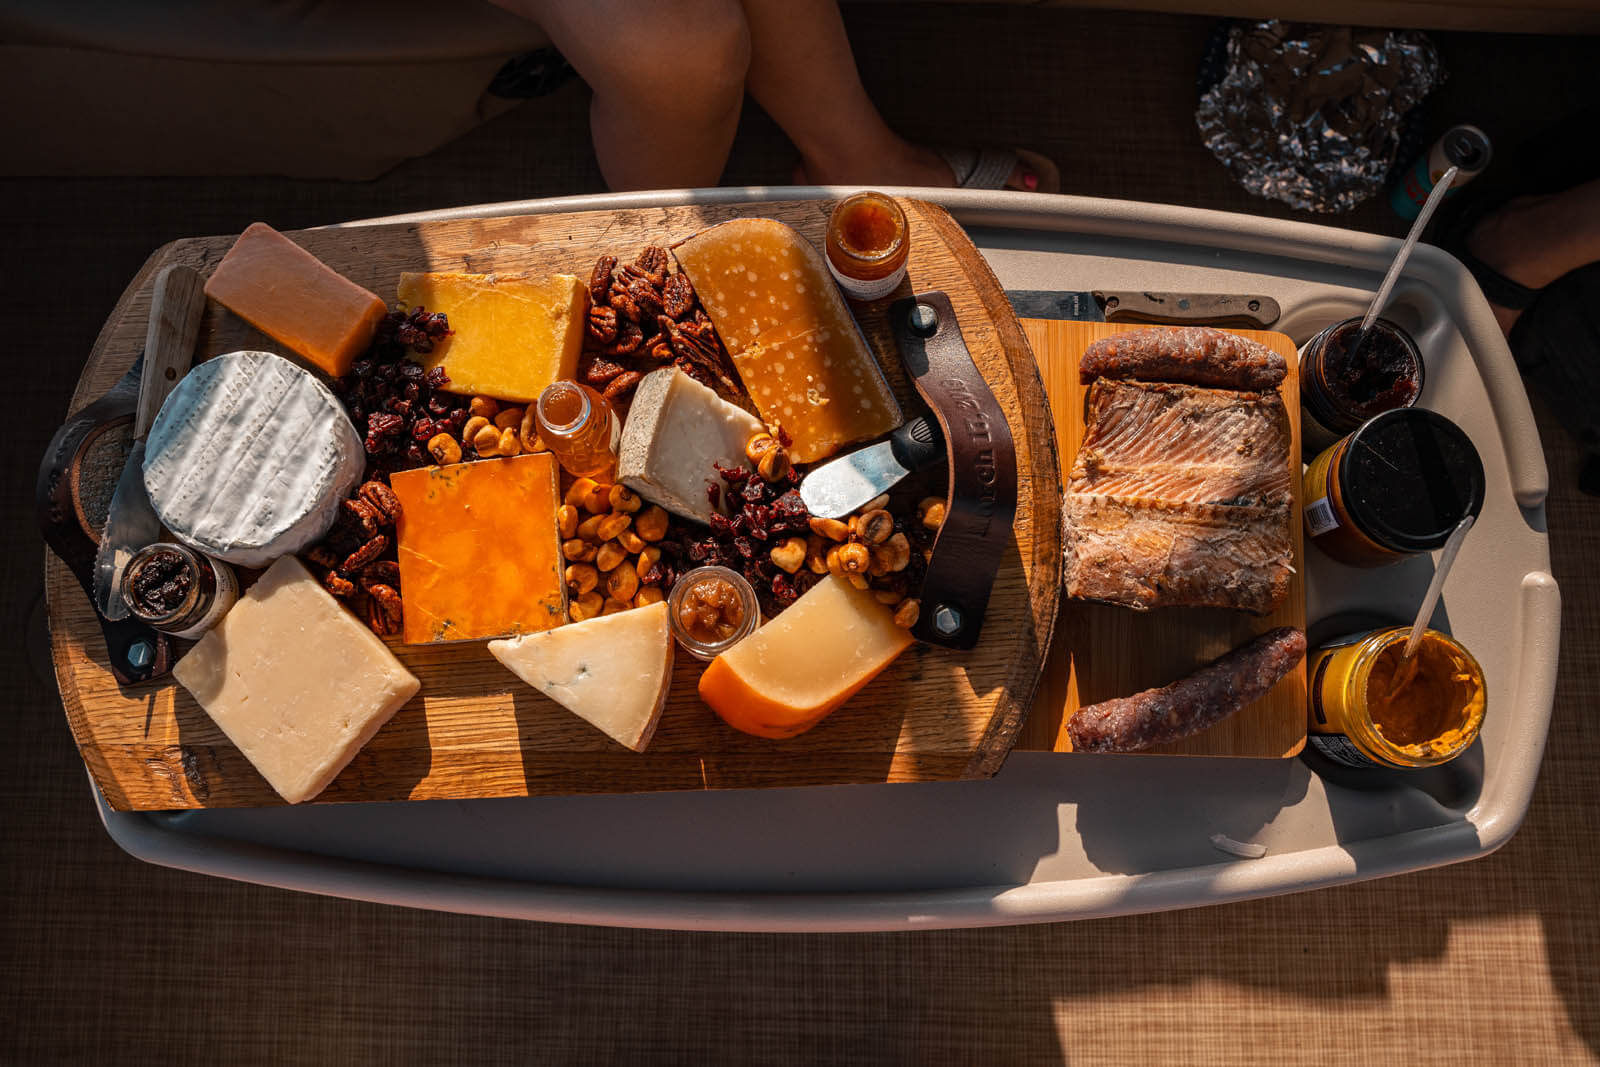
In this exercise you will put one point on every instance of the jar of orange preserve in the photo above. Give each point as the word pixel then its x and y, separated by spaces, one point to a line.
pixel 1371 708
pixel 868 244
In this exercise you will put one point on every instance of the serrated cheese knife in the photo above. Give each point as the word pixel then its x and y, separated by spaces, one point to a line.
pixel 178 302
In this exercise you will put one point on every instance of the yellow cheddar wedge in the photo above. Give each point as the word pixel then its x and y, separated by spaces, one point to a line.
pixel 513 335
pixel 789 675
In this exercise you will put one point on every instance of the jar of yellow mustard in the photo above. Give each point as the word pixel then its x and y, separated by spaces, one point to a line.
pixel 1396 487
pixel 1371 708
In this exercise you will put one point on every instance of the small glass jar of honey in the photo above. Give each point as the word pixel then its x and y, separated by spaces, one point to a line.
pixel 868 244
pixel 1370 707
pixel 580 427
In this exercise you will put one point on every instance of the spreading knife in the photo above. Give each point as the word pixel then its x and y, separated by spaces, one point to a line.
pixel 838 487
pixel 176 307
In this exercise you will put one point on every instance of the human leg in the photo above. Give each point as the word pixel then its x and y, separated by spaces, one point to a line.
pixel 668 80
pixel 1533 240
pixel 803 73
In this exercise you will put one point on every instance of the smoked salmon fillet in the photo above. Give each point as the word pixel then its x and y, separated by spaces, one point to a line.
pixel 1180 495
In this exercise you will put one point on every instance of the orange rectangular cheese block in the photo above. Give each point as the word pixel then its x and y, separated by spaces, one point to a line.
pixel 479 552
pixel 796 347
pixel 296 299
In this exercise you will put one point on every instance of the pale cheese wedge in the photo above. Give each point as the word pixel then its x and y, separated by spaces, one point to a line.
pixel 613 671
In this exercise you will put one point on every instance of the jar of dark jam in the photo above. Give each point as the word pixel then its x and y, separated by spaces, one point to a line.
pixel 1341 388
pixel 1396 487
pixel 867 245
pixel 178 591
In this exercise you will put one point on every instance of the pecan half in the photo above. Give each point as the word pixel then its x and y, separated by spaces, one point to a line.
pixel 629 338
pixel 652 264
pixel 365 554
pixel 660 350
pixel 365 515
pixel 645 297
pixel 599 371
pixel 388 598
pixel 624 306
pixel 382 499
pixel 622 385
pixel 379 621
pixel 339 587
pixel 677 296
pixel 600 279
pixel 602 326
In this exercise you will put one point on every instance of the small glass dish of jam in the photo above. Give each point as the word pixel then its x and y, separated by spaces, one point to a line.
pixel 867 245
pixel 711 609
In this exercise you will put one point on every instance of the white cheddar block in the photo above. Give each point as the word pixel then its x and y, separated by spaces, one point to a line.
pixel 249 458
pixel 295 681
pixel 676 430
pixel 612 670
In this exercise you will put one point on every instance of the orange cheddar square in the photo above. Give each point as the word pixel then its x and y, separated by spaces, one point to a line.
pixel 296 299
pixel 479 553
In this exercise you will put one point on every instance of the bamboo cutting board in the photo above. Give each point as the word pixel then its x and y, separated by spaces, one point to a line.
pixel 475 730
pixel 1103 651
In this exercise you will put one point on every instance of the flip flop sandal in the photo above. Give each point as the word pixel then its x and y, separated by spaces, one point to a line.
pixel 990 168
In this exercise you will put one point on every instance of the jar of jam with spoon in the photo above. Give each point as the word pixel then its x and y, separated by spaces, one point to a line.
pixel 868 244
pixel 1346 379
pixel 178 591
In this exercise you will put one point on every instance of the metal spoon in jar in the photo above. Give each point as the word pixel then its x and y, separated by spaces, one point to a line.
pixel 1447 557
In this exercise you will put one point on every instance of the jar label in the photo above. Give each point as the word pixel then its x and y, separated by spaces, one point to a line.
pixel 1320 517
pixel 1341 749
pixel 873 290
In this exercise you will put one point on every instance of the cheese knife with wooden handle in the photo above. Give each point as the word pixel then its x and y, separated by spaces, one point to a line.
pixel 176 307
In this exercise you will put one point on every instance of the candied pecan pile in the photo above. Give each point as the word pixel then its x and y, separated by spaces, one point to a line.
pixel 643 318
pixel 398 406
pixel 356 561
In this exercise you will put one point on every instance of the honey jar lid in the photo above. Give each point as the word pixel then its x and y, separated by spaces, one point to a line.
pixel 1408 477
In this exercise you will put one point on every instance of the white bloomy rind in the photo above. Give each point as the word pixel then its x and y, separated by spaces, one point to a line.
pixel 250 457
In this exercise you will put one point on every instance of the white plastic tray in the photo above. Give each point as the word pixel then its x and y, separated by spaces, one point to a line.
pixel 1051 837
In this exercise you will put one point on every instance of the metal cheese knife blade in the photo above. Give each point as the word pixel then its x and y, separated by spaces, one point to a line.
pixel 176 307
pixel 1174 309
pixel 838 487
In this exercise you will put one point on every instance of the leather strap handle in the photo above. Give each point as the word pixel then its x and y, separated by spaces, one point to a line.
pixel 61 522
pixel 981 502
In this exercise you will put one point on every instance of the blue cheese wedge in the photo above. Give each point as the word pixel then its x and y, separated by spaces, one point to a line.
pixel 677 431
pixel 250 457
pixel 295 681
pixel 613 671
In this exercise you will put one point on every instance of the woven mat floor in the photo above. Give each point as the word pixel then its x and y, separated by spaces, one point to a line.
pixel 108 960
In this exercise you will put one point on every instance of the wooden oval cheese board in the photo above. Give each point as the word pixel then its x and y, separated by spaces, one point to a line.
pixel 475 730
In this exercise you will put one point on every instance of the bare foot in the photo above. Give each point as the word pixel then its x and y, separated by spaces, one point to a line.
pixel 918 166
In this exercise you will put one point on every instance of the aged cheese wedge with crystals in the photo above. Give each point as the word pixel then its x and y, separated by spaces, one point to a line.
pixel 513 335
pixel 249 458
pixel 613 671
pixel 295 681
pixel 677 430
pixel 798 351
pixel 789 675
pixel 296 299
pixel 478 549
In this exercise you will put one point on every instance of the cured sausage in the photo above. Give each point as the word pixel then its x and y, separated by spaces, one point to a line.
pixel 1197 355
pixel 1189 705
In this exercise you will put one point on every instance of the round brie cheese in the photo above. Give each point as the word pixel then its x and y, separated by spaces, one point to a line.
pixel 250 457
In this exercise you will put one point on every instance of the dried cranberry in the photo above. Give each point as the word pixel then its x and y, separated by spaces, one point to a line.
pixel 721 524
pixel 734 476
pixel 755 490
pixel 438 405
pixel 714 494
pixel 382 423
pixel 412 372
pixel 743 546
pixel 423 429
pixel 437 378
pixel 416 455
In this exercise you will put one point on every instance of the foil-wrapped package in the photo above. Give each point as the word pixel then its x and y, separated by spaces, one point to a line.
pixel 1311 115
